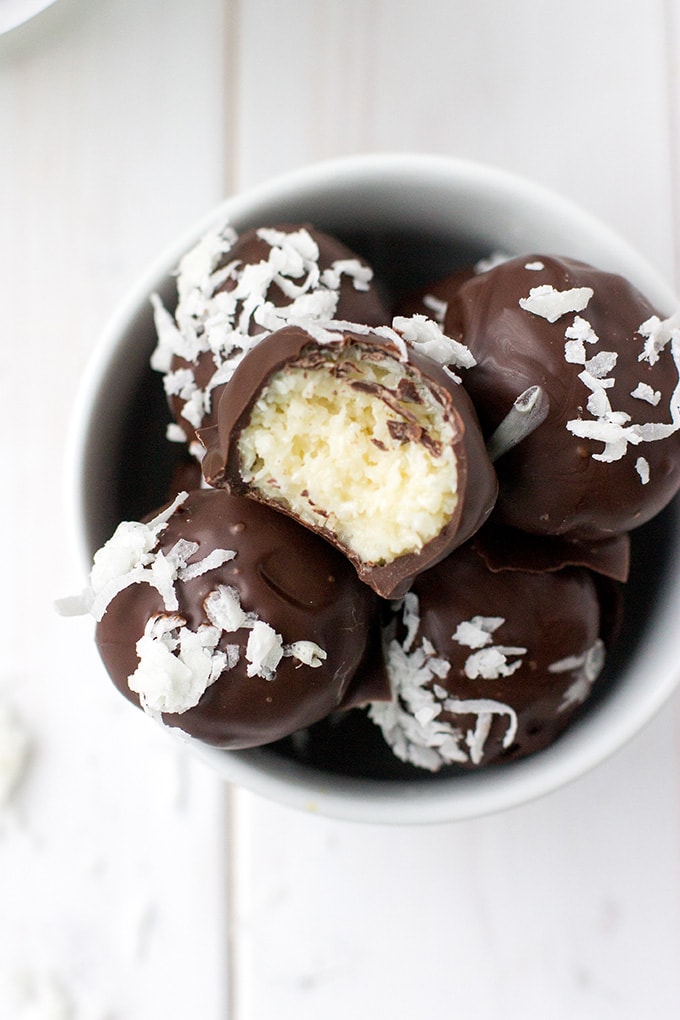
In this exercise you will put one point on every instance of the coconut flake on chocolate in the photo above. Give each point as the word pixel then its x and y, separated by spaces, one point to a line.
pixel 360 274
pixel 128 558
pixel 425 335
pixel 496 258
pixel 437 307
pixel 616 428
pixel 488 661
pixel 657 333
pixel 174 433
pixel 552 304
pixel 592 663
pixel 645 392
pixel 412 721
pixel 308 653
pixel 264 650
pixel 477 632
pixel 224 307
pixel 212 561
pixel 642 468
pixel 176 664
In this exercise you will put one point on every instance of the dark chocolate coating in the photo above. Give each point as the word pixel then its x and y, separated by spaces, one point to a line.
pixel 554 615
pixel 364 306
pixel 550 483
pixel 510 549
pixel 293 580
pixel 477 484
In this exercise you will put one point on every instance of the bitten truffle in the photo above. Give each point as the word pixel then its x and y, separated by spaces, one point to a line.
pixel 362 438
pixel 607 456
pixel 232 290
pixel 488 666
pixel 228 620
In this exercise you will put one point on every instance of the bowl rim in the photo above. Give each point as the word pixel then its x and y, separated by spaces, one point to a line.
pixel 598 735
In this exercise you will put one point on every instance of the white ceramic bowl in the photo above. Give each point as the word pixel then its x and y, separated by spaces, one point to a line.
pixel 414 217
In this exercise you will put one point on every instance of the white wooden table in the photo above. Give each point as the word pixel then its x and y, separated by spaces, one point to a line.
pixel 133 885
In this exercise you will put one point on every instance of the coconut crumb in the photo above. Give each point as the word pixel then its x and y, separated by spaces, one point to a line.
pixel 416 723
pixel 616 429
pixel 264 651
pixel 590 665
pixel 425 335
pixel 438 307
pixel 477 632
pixel 657 333
pixel 552 304
pixel 496 258
pixel 176 664
pixel 643 391
pixel 642 468
pixel 493 663
pixel 307 653
pixel 228 324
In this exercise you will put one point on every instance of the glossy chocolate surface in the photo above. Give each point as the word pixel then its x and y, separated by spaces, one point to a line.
pixel 553 482
pixel 292 580
pixel 477 483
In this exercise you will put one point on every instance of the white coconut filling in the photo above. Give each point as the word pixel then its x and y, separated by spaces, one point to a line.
pixel 371 465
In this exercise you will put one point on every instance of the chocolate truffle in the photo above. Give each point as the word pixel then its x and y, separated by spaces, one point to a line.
pixel 488 666
pixel 607 456
pixel 361 437
pixel 228 620
pixel 233 289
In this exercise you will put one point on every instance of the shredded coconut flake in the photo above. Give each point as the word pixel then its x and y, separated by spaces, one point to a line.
pixel 217 558
pixel 643 391
pixel 477 632
pixel 591 664
pixel 642 468
pixel 615 429
pixel 425 336
pixel 306 652
pixel 264 651
pixel 496 258
pixel 176 664
pixel 416 723
pixel 657 333
pixel 438 307
pixel 552 304
pixel 128 558
pixel 492 663
pixel 228 323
